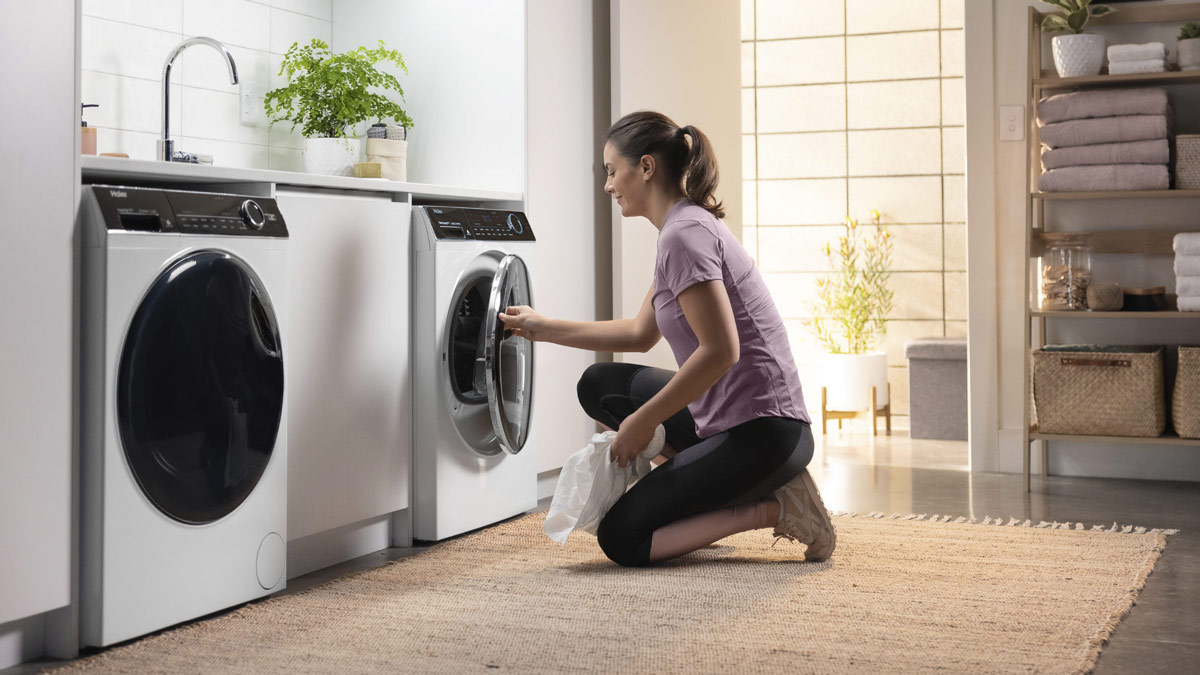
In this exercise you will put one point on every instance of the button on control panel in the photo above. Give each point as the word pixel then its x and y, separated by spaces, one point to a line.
pixel 478 224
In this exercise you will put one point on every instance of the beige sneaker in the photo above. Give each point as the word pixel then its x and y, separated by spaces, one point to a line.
pixel 802 517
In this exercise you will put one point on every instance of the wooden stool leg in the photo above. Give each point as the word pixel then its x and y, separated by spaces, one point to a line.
pixel 889 410
pixel 824 412
pixel 871 413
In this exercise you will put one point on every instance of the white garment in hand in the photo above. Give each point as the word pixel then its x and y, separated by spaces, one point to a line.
pixel 591 482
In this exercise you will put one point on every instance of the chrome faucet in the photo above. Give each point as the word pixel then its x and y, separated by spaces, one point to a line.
pixel 166 146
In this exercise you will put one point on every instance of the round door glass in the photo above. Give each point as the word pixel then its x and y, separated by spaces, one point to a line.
pixel 509 359
pixel 200 387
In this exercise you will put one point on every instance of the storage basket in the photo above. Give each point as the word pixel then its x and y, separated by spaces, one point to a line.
pixel 1094 390
pixel 1187 161
pixel 1185 400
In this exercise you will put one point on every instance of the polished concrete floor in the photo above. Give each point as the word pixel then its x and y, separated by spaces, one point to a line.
pixel 896 474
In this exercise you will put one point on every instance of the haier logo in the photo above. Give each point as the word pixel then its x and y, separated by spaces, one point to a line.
pixel 119 194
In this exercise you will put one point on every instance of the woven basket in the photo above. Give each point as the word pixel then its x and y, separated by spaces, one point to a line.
pixel 1187 161
pixel 1099 391
pixel 1185 401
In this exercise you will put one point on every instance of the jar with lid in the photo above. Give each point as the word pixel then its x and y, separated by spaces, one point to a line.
pixel 1066 270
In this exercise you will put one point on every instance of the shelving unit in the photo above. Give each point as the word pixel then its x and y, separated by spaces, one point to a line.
pixel 1131 240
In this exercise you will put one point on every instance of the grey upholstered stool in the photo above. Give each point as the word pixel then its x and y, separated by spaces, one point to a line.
pixel 937 388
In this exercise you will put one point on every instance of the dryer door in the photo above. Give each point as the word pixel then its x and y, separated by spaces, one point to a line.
pixel 200 387
pixel 508 360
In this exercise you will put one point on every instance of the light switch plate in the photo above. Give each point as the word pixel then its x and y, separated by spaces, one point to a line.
pixel 1012 122
pixel 249 105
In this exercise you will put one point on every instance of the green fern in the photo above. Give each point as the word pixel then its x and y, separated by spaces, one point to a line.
pixel 1190 30
pixel 854 300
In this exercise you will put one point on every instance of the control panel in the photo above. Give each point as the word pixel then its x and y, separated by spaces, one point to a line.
pixel 181 212
pixel 456 222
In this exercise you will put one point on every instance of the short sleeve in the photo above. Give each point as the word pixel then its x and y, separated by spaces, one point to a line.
pixel 689 253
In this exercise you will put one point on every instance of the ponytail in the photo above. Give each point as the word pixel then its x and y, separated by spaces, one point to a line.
pixel 691 166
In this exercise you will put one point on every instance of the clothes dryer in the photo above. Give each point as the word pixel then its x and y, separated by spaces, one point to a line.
pixel 474 459
pixel 183 438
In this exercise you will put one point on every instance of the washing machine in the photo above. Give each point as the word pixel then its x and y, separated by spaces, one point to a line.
pixel 474 460
pixel 183 460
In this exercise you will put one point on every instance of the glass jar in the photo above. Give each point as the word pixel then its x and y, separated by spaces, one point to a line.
pixel 1066 271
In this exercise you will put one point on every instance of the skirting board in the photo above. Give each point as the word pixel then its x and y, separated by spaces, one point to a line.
pixel 318 551
pixel 22 640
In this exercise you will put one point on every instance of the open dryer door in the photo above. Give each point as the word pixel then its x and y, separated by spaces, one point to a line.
pixel 508 360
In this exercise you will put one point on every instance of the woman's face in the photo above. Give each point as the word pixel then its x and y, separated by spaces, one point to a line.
pixel 626 182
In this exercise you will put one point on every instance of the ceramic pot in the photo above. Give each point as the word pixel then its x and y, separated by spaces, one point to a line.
pixel 847 378
pixel 331 156
pixel 1079 55
pixel 1189 54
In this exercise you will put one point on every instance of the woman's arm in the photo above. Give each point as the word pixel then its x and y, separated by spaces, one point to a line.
pixel 621 335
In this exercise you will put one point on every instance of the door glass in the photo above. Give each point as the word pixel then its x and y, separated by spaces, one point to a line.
pixel 200 387
pixel 465 348
pixel 509 359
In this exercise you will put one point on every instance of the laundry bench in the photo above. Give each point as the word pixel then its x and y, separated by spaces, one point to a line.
pixel 937 388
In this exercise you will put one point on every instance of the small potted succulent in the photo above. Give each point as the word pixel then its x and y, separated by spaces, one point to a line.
pixel 1189 46
pixel 850 318
pixel 1076 54
pixel 327 94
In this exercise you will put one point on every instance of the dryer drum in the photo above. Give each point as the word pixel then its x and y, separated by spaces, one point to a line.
pixel 200 387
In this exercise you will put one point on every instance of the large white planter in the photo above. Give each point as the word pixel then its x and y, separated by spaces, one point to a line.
pixel 1079 55
pixel 331 156
pixel 1189 54
pixel 848 377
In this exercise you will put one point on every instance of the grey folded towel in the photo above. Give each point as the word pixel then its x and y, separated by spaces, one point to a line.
pixel 1106 177
pixel 1121 129
pixel 1136 152
pixel 1078 105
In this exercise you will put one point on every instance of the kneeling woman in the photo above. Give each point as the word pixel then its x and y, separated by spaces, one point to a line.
pixel 738 435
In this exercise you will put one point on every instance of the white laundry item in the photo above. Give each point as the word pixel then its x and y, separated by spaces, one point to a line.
pixel 1130 67
pixel 591 482
pixel 1187 286
pixel 1189 304
pixel 1186 243
pixel 1134 52
pixel 1187 265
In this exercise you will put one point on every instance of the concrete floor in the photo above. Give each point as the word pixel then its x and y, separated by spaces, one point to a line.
pixel 897 474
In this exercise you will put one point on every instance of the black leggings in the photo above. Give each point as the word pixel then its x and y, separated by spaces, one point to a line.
pixel 740 465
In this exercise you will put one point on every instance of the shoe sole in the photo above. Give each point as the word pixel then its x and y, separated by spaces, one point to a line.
pixel 814 496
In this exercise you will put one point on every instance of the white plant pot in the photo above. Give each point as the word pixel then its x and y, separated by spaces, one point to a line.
pixel 848 377
pixel 1079 55
pixel 1189 54
pixel 331 156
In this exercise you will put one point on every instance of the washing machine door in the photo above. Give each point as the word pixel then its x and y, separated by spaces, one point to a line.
pixel 508 360
pixel 200 387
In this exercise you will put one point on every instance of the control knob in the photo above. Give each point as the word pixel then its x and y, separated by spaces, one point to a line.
pixel 252 214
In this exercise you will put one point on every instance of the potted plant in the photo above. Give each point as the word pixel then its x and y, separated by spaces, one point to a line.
pixel 850 317
pixel 327 94
pixel 1189 46
pixel 1076 54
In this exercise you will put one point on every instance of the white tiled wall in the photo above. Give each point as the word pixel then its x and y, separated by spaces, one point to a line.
pixel 125 43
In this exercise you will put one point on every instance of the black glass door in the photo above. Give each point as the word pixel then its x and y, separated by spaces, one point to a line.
pixel 200 387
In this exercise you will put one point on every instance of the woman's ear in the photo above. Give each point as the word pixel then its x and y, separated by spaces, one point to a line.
pixel 647 166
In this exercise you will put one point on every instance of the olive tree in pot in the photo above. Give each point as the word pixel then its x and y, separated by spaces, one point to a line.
pixel 850 318
pixel 327 94
pixel 1189 46
pixel 1076 54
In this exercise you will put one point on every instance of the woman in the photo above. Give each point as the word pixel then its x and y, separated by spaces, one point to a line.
pixel 738 436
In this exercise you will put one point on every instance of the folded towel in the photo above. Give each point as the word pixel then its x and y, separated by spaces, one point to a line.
pixel 1131 67
pixel 1105 177
pixel 1136 152
pixel 1188 286
pixel 1186 243
pixel 1187 304
pixel 1106 130
pixel 1077 105
pixel 1132 52
pixel 1187 265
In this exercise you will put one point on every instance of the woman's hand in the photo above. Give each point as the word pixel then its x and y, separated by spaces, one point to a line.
pixel 524 322
pixel 632 438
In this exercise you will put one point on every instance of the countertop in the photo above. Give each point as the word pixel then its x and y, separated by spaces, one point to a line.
pixel 118 168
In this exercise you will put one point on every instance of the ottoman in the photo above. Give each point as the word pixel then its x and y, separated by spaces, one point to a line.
pixel 937 388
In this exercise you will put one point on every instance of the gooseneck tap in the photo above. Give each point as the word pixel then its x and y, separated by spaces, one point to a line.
pixel 166 146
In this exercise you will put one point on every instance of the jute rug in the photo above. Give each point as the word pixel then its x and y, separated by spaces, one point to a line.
pixel 901 594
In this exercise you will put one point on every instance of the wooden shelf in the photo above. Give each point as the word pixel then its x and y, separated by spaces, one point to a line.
pixel 1119 194
pixel 1051 81
pixel 1141 241
pixel 1167 439
pixel 1086 314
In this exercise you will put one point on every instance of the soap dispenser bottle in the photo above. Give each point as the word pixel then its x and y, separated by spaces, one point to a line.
pixel 87 135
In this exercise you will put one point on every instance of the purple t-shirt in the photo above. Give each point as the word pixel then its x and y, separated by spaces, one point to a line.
pixel 694 246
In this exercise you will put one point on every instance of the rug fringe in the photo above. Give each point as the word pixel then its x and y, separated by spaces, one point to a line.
pixel 1010 522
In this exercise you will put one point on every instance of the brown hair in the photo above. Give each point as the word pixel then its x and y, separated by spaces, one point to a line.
pixel 690 165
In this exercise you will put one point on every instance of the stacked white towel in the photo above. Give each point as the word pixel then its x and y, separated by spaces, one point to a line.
pixel 1187 270
pixel 1105 139
pixel 1150 57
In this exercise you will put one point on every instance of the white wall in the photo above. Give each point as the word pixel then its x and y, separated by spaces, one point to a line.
pixel 465 90
pixel 683 59
pixel 125 43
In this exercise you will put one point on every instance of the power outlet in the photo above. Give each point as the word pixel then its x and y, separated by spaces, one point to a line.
pixel 249 105
pixel 1012 122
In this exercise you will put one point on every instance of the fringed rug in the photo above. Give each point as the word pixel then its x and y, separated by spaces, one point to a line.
pixel 901 594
